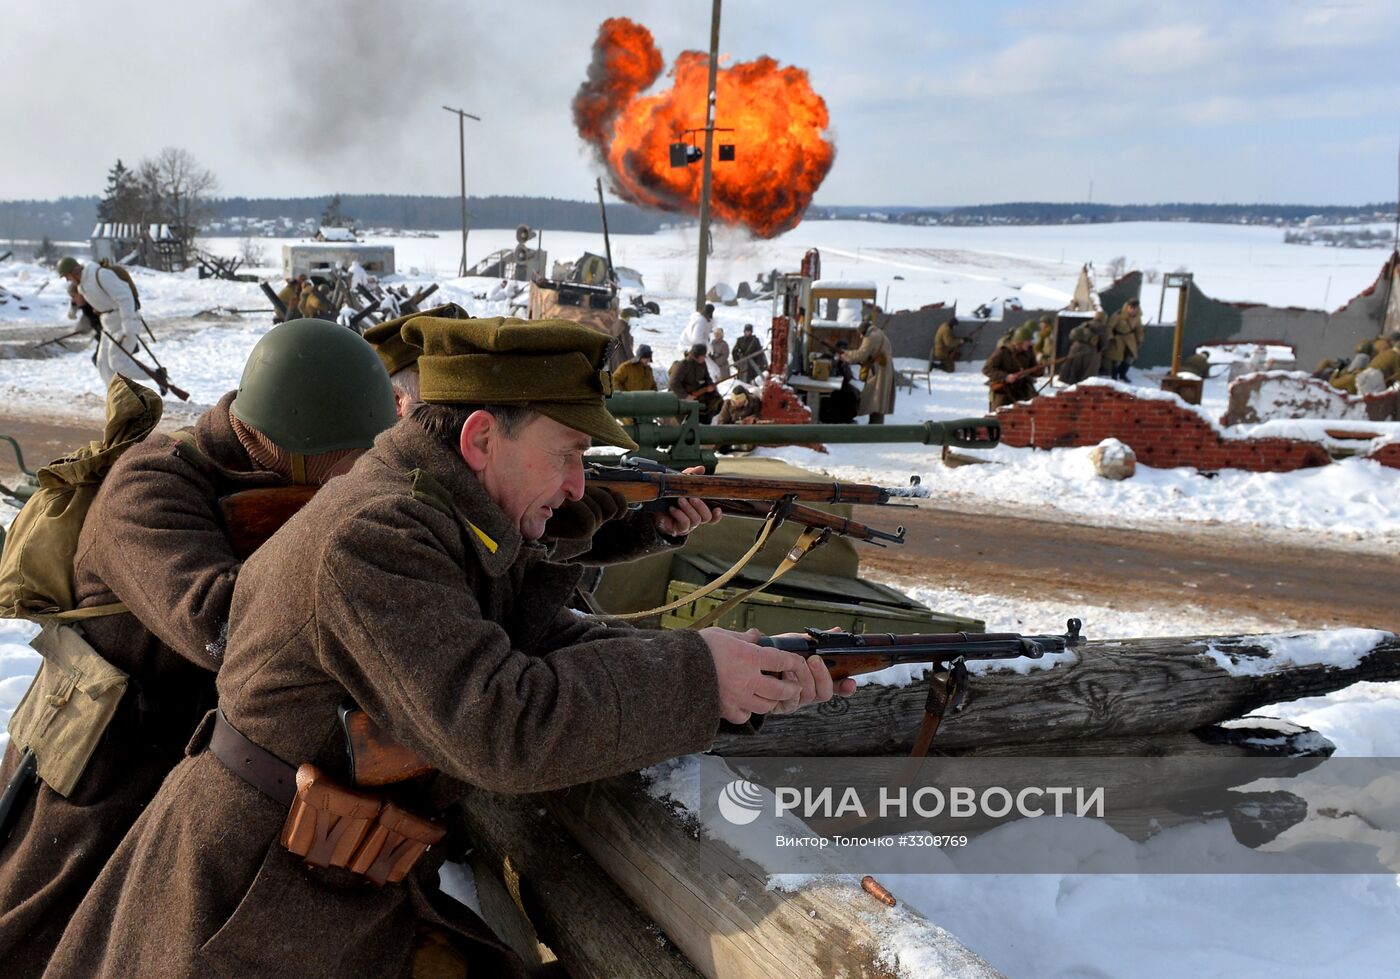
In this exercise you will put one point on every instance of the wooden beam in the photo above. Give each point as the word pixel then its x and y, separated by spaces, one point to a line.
pixel 717 907
pixel 1136 688
pixel 571 905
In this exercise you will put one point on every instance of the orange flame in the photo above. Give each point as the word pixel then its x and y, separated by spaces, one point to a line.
pixel 781 150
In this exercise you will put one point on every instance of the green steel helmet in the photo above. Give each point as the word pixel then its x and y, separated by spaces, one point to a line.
pixel 313 386
pixel 67 264
pixel 1023 333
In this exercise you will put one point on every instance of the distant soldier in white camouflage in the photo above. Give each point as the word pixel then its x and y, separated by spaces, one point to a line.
pixel 109 294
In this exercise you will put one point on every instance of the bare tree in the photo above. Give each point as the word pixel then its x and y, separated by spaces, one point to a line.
pixel 179 190
pixel 252 252
pixel 1116 267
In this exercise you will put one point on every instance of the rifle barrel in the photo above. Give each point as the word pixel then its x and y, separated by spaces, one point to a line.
pixel 851 655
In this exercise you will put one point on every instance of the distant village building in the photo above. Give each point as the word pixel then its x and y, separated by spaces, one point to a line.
pixel 155 246
pixel 336 234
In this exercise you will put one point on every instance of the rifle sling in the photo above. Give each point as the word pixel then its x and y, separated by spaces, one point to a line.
pixel 943 693
pixel 811 538
pixel 770 524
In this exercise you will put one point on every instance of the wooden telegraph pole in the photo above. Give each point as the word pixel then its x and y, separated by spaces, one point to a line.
pixel 707 161
pixel 462 117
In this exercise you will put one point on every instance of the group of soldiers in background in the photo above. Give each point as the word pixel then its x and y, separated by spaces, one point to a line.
pixel 340 294
pixel 1104 346
pixel 1374 367
pixel 689 379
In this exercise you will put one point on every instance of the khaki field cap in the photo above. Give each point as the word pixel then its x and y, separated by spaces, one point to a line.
pixel 554 367
pixel 388 342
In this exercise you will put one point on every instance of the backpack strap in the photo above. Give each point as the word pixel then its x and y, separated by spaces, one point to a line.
pixel 87 612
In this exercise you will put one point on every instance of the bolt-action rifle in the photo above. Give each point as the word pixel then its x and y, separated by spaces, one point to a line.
pixel 377 759
pixel 647 485
pixel 156 373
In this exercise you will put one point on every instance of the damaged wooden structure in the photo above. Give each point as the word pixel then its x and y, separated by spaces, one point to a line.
pixel 613 882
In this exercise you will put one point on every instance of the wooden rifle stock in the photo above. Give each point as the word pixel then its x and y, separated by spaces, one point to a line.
pixel 645 485
pixel 252 516
pixel 376 758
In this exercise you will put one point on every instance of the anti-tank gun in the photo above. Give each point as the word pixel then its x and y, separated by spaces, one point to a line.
pixel 668 430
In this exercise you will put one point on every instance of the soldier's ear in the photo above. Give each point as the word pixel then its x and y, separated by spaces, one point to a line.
pixel 478 432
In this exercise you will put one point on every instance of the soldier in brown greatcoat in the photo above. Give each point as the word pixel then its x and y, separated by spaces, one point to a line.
pixel 749 360
pixel 876 359
pixel 690 381
pixel 636 375
pixel 1082 361
pixel 946 344
pixel 1011 369
pixel 412 587
pixel 154 540
pixel 1125 338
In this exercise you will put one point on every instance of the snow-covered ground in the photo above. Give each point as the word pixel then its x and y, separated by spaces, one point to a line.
pixel 1049 925
pixel 1097 926
pixel 204 348
pixel 1141 926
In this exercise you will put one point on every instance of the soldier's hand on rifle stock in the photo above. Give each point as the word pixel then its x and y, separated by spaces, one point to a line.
pixel 823 687
pixel 752 679
pixel 686 513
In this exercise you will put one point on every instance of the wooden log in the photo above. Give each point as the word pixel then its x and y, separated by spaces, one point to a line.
pixel 1127 689
pixel 571 905
pixel 716 905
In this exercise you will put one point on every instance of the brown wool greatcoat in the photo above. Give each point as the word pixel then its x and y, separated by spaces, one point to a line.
pixel 877 396
pixel 153 539
pixel 749 361
pixel 1082 361
pixel 383 590
pixel 1005 361
pixel 689 376
pixel 634 376
pixel 946 345
pixel 1125 335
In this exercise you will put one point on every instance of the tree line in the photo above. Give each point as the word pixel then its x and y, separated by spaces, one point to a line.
pixel 1037 212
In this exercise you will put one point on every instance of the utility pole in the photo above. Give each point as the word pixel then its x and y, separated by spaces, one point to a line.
pixel 707 161
pixel 462 118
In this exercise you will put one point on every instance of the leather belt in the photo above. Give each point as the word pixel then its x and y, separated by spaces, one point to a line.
pixel 251 762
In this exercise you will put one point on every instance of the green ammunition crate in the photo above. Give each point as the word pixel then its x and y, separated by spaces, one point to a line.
pixel 774 614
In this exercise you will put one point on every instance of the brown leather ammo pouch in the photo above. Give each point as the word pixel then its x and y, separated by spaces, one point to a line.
pixel 332 826
pixel 396 841
pixel 327 823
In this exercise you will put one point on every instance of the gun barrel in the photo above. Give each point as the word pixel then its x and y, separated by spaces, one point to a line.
pixel 967 433
pixel 852 655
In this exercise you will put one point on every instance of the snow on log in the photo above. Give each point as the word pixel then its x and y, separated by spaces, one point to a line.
pixel 1128 689
pixel 717 907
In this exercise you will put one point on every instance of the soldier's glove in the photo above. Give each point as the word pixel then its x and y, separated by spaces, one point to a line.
pixel 580 520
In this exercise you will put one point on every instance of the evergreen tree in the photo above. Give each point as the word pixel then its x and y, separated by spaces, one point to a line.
pixel 122 200
pixel 47 253
pixel 333 217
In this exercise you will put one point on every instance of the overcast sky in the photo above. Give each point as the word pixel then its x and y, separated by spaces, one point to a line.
pixel 931 101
